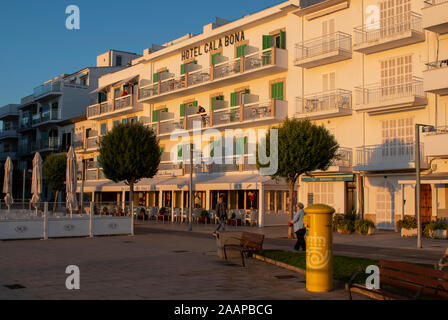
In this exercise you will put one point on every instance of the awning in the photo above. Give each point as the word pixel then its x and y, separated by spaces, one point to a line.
pixel 329 178
pixel 201 183
pixel 435 178
pixel 103 87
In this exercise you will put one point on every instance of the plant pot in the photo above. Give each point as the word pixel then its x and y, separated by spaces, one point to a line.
pixel 408 232
pixel 439 234
pixel 369 233
pixel 344 232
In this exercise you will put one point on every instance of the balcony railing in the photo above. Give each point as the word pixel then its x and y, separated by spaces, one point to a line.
pixel 437 64
pixel 26 148
pixel 50 115
pixel 52 143
pixel 10 132
pixel 106 107
pixel 345 158
pixel 219 71
pixel 321 45
pixel 99 108
pixel 387 28
pixel 394 154
pixel 226 116
pixel 377 94
pixel 52 87
pixel 326 101
pixel 258 110
pixel 430 3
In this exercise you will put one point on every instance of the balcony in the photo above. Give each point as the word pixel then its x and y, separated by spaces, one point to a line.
pixel 119 106
pixel 404 30
pixel 324 50
pixel 245 68
pixel 337 103
pixel 50 116
pixel 50 144
pixel 382 99
pixel 27 148
pixel 435 77
pixel 392 156
pixel 263 112
pixel 435 16
pixel 8 133
pixel 48 90
pixel 436 142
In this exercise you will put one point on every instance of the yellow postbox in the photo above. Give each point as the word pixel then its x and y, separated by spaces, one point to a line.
pixel 319 248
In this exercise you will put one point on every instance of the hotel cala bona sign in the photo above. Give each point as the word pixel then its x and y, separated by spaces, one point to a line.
pixel 213 45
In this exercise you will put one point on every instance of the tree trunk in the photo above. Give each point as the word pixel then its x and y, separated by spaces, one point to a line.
pixel 291 207
pixel 55 201
pixel 131 195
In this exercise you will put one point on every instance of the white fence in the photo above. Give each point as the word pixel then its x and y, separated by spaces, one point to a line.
pixel 30 224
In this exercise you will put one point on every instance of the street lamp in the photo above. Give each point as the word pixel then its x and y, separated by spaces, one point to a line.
pixel 425 128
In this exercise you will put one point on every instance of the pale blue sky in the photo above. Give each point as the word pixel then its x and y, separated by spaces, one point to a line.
pixel 35 45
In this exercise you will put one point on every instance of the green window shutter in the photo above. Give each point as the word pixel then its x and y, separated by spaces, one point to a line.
pixel 240 50
pixel 282 40
pixel 195 103
pixel 233 115
pixel 116 123
pixel 233 99
pixel 277 91
pixel 165 110
pixel 154 116
pixel 267 42
pixel 124 121
pixel 98 162
pixel 182 110
pixel 214 57
pixel 179 152
pixel 155 77
pixel 213 103
pixel 162 150
pixel 182 69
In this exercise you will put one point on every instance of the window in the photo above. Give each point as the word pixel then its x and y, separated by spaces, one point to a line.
pixel 103 129
pixel 215 57
pixel 397 137
pixel 328 43
pixel 396 75
pixel 395 16
pixel 277 90
pixel 328 82
pixel 119 61
pixel 240 50
pixel 124 121
pixel 277 40
pixel 116 123
pixel 186 67
pixel 83 81
pixel 321 192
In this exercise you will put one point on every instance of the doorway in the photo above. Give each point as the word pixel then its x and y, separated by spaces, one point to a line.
pixel 426 202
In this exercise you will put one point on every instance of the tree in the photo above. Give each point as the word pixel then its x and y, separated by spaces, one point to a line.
pixel 129 153
pixel 303 147
pixel 54 171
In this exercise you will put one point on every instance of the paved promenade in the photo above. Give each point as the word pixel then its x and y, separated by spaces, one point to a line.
pixel 151 265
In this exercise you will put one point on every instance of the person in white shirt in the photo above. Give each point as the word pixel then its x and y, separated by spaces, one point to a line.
pixel 299 228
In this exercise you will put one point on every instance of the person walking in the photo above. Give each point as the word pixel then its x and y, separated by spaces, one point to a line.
pixel 221 212
pixel 299 228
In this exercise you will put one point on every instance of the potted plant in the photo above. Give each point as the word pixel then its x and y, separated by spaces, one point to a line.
pixel 120 211
pixel 436 229
pixel 203 216
pixel 337 218
pixel 408 226
pixel 162 212
pixel 105 211
pixel 364 227
pixel 346 227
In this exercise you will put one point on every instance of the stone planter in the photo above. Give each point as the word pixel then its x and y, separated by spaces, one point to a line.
pixel 369 233
pixel 439 234
pixel 340 231
pixel 409 232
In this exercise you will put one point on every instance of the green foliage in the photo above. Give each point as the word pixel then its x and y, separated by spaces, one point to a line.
pixel 233 215
pixel 204 214
pixel 362 226
pixel 429 228
pixel 129 153
pixel 54 170
pixel 105 210
pixel 303 147
pixel 408 223
pixel 162 210
pixel 346 226
pixel 337 219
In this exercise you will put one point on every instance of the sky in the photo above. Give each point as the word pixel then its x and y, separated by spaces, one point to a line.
pixel 35 44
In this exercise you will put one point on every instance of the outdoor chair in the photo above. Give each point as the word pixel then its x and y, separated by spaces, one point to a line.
pixel 153 212
pixel 254 218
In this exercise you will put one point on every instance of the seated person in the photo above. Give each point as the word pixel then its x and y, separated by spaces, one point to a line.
pixel 201 110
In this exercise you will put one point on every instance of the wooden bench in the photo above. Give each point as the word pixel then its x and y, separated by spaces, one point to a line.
pixel 409 280
pixel 249 243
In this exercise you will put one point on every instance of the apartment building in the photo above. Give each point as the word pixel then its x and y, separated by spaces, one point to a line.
pixel 46 117
pixel 369 71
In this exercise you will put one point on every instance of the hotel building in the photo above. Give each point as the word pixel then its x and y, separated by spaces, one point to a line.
pixel 46 117
pixel 369 71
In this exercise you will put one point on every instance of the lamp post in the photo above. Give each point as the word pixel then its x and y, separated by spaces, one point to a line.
pixel 190 197
pixel 426 128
